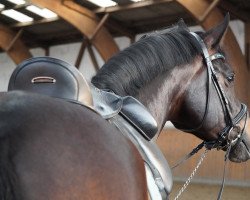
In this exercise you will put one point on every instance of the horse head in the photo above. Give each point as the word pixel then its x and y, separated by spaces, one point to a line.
pixel 210 108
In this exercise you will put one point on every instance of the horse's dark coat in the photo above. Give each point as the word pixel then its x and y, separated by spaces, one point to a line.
pixel 60 143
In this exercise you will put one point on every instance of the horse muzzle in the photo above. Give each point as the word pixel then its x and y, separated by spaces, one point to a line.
pixel 240 151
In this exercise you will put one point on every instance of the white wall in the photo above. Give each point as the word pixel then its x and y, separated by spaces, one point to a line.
pixel 69 54
pixel 238 29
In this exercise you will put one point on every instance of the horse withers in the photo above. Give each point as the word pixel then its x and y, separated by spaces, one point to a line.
pixel 53 149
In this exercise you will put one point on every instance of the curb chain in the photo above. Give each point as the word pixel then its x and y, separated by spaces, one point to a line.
pixel 192 175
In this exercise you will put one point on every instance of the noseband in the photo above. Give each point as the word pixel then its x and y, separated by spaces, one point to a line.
pixel 224 139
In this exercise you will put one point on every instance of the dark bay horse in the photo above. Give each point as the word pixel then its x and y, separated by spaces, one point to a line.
pixel 53 149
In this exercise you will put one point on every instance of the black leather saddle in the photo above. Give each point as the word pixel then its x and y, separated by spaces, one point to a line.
pixel 52 77
pixel 56 78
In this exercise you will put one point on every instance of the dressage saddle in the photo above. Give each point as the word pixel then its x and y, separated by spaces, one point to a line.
pixel 56 78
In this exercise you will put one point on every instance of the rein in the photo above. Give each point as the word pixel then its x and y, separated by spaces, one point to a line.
pixel 225 140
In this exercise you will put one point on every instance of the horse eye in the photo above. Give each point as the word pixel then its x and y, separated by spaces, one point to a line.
pixel 230 78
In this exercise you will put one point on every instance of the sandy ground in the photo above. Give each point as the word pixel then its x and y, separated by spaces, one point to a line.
pixel 210 192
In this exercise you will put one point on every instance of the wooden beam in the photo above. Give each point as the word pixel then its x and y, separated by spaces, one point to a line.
pixel 81 53
pixel 114 25
pixel 157 22
pixel 93 58
pixel 99 26
pixel 139 4
pixel 209 10
pixel 235 11
pixel 47 51
pixel 123 2
pixel 17 36
pixel 16 49
pixel 85 21
pixel 26 24
pixel 57 38
pixel 197 8
pixel 80 9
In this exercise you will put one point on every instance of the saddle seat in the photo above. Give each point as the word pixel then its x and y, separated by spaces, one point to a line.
pixel 52 77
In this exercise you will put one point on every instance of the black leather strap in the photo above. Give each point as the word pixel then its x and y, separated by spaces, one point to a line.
pixel 231 121
pixel 224 173
pixel 194 151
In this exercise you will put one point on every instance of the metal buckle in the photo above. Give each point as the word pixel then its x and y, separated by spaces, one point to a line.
pixel 217 56
pixel 231 139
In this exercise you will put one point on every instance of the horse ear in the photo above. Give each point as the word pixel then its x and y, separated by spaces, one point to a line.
pixel 182 24
pixel 213 37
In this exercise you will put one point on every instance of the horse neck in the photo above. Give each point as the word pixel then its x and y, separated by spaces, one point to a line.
pixel 164 95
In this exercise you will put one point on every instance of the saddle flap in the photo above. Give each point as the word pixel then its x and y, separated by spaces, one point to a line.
pixel 52 77
pixel 108 105
pixel 136 113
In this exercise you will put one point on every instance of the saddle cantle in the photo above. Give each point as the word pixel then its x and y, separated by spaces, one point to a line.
pixel 52 77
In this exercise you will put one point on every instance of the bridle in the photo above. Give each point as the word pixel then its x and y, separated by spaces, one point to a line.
pixel 224 140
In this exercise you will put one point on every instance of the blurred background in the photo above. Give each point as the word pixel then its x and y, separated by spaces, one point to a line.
pixel 86 33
